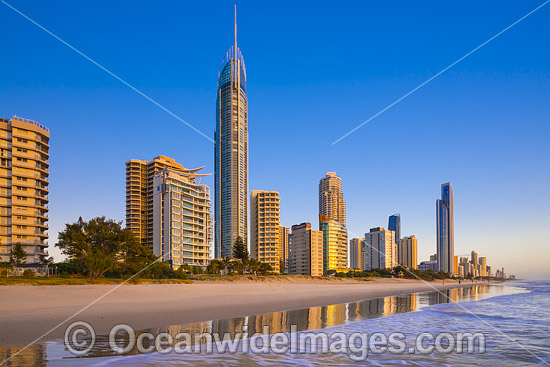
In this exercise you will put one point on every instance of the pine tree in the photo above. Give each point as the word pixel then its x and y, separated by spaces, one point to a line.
pixel 240 251
pixel 18 256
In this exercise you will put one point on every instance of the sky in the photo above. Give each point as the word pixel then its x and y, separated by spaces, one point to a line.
pixel 315 71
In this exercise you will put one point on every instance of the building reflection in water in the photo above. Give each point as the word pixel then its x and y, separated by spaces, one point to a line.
pixel 312 318
pixel 19 356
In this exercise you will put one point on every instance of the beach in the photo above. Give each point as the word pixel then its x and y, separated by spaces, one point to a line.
pixel 29 312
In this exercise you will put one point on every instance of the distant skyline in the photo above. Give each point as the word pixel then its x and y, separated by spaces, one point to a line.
pixel 314 73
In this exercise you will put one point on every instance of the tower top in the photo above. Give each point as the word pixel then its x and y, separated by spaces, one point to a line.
pixel 235 31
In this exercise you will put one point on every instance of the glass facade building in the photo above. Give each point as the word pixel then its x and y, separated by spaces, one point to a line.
pixel 445 229
pixel 394 224
pixel 231 154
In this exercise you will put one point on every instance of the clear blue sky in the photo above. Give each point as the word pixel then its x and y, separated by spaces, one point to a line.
pixel 315 71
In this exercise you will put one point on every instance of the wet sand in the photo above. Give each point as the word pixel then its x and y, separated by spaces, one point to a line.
pixel 29 312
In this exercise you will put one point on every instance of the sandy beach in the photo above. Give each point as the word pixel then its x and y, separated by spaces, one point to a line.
pixel 28 312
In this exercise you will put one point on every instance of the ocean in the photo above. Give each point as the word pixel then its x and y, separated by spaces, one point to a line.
pixel 512 319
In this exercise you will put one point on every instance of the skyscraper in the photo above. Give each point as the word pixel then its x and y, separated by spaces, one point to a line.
pixel 394 224
pixel 474 258
pixel 483 266
pixel 331 198
pixel 231 153
pixel 265 228
pixel 445 229
pixel 24 172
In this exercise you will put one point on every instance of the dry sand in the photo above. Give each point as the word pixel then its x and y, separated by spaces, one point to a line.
pixel 28 312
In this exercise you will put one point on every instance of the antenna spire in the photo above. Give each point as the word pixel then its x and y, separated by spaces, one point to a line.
pixel 235 50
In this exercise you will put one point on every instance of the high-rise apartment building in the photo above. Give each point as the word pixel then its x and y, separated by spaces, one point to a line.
pixel 407 252
pixel 265 228
pixel 474 259
pixel 305 251
pixel 231 153
pixel 394 224
pixel 24 154
pixel 357 253
pixel 284 240
pixel 335 244
pixel 331 198
pixel 139 194
pixel 483 266
pixel 381 251
pixel 182 220
pixel 445 229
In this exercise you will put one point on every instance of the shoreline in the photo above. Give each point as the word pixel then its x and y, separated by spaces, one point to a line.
pixel 28 312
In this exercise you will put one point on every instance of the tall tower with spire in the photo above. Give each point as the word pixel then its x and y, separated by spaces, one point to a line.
pixel 445 229
pixel 231 153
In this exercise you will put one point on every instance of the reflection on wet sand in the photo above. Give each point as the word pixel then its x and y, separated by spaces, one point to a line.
pixel 312 318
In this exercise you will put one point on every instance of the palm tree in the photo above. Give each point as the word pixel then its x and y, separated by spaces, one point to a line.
pixel 253 265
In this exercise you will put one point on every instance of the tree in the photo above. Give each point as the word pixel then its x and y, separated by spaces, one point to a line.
pixel 264 268
pixel 18 256
pixel 46 260
pixel 101 245
pixel 215 267
pixel 240 251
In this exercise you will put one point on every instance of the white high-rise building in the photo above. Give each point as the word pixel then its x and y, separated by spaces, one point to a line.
pixel 182 222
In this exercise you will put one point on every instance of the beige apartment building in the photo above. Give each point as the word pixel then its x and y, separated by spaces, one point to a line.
pixel 24 154
pixel 305 251
pixel 331 198
pixel 265 228
pixel 182 219
pixel 335 244
pixel 407 252
pixel 139 194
